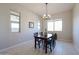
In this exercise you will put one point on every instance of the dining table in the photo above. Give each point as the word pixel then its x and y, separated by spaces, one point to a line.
pixel 44 38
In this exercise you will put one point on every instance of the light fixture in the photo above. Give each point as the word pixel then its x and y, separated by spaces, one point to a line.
pixel 46 16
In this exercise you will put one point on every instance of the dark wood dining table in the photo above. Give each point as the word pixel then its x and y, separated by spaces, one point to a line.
pixel 45 38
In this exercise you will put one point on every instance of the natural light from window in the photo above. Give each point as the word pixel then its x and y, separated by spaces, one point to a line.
pixel 15 22
pixel 58 25
pixel 50 26
pixel 54 25
pixel 38 25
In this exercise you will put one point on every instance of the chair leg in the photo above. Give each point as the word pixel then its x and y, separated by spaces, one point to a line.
pixel 50 48
pixel 43 45
pixel 39 44
pixel 54 45
pixel 35 43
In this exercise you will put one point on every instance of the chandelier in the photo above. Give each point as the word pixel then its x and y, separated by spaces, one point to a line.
pixel 46 16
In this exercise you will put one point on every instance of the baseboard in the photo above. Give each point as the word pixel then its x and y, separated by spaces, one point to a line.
pixel 64 40
pixel 13 46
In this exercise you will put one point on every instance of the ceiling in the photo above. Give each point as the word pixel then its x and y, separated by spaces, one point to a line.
pixel 53 8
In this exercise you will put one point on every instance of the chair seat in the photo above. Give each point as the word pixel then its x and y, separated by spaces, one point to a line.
pixel 49 41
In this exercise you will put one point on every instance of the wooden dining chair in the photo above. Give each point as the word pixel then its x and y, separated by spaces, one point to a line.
pixel 51 42
pixel 38 41
pixel 54 40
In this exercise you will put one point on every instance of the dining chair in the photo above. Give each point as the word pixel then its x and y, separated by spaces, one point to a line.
pixel 54 40
pixel 51 42
pixel 41 33
pixel 38 41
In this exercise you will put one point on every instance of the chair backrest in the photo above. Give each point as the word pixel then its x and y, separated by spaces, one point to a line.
pixel 36 34
pixel 54 36
pixel 41 33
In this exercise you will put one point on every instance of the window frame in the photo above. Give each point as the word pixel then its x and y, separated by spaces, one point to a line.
pixel 53 25
pixel 19 29
pixel 60 19
pixel 39 25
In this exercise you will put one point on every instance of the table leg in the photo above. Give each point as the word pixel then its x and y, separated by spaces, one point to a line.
pixel 35 42
pixel 45 45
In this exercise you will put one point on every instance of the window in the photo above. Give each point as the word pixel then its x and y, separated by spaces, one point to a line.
pixel 38 25
pixel 15 21
pixel 58 25
pixel 50 26
pixel 54 25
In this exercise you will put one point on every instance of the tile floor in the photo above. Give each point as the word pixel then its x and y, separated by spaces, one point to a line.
pixel 27 48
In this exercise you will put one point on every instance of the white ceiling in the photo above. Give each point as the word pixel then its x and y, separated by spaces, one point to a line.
pixel 39 8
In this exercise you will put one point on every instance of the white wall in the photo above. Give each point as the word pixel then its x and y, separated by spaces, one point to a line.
pixel 7 38
pixel 66 34
pixel 76 26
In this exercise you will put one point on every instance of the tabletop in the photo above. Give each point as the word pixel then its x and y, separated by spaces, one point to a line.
pixel 44 36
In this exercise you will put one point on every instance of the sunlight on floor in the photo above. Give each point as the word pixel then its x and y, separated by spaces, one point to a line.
pixel 27 48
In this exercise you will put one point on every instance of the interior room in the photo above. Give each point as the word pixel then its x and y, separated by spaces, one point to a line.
pixel 39 28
